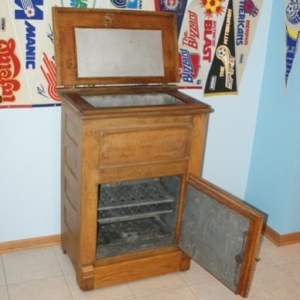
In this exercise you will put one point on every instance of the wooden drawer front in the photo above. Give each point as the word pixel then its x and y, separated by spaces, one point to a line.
pixel 148 145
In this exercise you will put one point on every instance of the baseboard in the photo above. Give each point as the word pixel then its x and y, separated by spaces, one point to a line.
pixel 271 234
pixel 30 243
pixel 281 240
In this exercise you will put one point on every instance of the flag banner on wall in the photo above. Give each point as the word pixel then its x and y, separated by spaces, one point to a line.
pixel 127 4
pixel 246 14
pixel 178 6
pixel 292 25
pixel 17 56
pixel 27 62
pixel 221 77
pixel 197 40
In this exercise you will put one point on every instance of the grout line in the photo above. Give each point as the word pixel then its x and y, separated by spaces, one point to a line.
pixel 63 273
pixel 3 268
pixel 128 285
pixel 7 292
pixel 5 279
pixel 69 286
pixel 191 290
pixel 59 263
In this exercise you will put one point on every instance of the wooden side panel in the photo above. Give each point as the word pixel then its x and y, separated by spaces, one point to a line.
pixel 71 182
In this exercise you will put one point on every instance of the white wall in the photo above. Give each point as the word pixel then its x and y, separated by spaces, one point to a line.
pixel 29 173
pixel 30 151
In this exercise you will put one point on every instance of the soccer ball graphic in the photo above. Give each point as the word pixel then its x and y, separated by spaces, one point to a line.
pixel 212 7
pixel 292 12
pixel 291 8
pixel 221 52
pixel 30 12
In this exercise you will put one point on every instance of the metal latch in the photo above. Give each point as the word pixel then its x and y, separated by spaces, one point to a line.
pixel 239 258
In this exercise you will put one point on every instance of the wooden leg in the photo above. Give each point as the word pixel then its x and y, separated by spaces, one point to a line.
pixel 185 262
pixel 86 282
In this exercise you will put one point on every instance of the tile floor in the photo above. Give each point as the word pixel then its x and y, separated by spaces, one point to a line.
pixel 46 274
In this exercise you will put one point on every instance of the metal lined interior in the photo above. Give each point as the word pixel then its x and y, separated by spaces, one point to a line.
pixel 136 215
pixel 131 100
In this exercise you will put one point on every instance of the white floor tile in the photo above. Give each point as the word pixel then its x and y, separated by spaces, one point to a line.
pixel 178 294
pixel 281 255
pixel 51 288
pixel 264 261
pixel 292 269
pixel 196 274
pixel 117 292
pixel 30 264
pixel 156 284
pixel 274 284
pixel 3 293
pixel 214 290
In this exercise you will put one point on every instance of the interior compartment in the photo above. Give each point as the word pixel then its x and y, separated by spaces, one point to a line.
pixel 131 100
pixel 136 215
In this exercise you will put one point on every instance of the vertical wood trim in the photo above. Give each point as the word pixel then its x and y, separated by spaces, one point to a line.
pixel 198 139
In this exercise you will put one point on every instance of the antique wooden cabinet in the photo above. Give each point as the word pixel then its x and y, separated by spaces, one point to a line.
pixel 133 203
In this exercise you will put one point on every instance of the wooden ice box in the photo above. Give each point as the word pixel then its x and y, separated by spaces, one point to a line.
pixel 133 203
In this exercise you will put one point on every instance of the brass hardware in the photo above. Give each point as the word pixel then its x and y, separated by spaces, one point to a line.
pixel 108 18
pixel 257 259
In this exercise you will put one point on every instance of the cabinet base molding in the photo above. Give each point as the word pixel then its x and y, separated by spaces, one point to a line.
pixel 281 239
pixel 30 243
pixel 126 271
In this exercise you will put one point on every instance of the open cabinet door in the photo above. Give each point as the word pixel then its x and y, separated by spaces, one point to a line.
pixel 221 233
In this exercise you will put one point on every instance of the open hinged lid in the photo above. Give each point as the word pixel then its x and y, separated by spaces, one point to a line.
pixel 221 233
pixel 102 46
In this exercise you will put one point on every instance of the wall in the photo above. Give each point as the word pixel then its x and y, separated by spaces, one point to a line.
pixel 30 151
pixel 273 183
pixel 29 173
